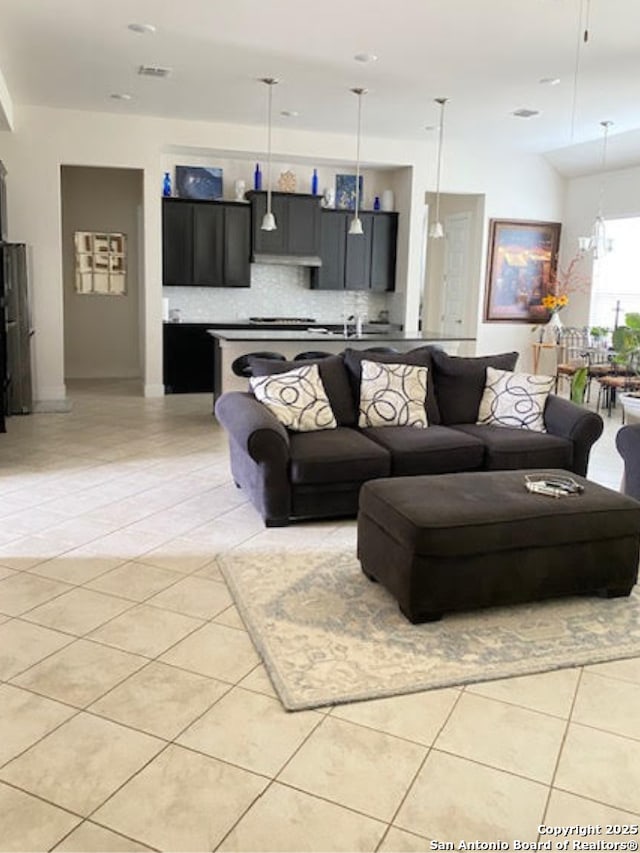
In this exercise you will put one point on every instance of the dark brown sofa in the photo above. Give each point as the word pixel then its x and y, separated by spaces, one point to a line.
pixel 289 475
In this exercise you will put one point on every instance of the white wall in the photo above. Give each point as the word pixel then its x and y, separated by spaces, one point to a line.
pixel 516 186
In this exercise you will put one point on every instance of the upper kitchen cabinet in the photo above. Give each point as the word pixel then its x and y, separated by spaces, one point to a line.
pixel 383 251
pixel 298 226
pixel 205 243
pixel 357 262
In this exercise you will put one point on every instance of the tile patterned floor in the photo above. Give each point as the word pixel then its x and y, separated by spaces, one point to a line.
pixel 134 711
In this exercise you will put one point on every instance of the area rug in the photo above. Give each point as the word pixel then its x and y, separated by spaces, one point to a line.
pixel 328 635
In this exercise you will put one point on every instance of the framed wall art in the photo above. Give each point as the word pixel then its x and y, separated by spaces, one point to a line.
pixel 521 267
pixel 346 192
pixel 199 182
pixel 100 263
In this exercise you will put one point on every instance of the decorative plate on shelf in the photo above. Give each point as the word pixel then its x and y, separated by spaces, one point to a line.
pixel 287 182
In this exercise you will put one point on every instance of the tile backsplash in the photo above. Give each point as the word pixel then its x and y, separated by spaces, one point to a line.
pixel 276 291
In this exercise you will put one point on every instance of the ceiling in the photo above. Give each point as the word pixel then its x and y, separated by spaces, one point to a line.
pixel 487 56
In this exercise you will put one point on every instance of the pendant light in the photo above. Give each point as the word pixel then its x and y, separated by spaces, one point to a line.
pixel 355 229
pixel 597 242
pixel 269 220
pixel 436 231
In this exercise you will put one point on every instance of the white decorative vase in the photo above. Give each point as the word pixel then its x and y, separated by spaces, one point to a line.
pixel 552 330
pixel 387 200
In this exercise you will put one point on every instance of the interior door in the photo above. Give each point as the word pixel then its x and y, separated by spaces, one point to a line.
pixel 455 280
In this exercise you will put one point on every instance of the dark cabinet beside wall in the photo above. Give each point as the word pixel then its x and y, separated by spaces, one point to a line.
pixel 206 243
pixel 357 262
pixel 188 363
pixel 298 225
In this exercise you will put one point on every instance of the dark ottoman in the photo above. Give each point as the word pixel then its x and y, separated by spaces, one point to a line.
pixel 460 541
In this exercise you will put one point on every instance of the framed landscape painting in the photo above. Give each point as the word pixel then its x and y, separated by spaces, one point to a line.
pixel 521 265
pixel 199 182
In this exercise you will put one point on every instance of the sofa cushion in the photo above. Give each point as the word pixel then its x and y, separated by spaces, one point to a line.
pixel 459 383
pixel 341 455
pixel 392 395
pixel 435 450
pixel 421 356
pixel 509 448
pixel 297 398
pixel 515 399
pixel 334 378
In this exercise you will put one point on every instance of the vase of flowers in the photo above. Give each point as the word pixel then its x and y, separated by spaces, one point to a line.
pixel 565 281
pixel 553 330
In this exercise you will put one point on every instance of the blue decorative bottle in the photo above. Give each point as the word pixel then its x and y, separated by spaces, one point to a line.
pixel 314 182
pixel 376 203
pixel 257 178
pixel 166 185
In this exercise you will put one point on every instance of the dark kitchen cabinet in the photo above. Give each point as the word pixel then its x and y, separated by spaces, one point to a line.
pixel 206 243
pixel 333 243
pixel 187 358
pixel 362 262
pixel 177 242
pixel 357 259
pixel 298 225
pixel 237 245
pixel 383 251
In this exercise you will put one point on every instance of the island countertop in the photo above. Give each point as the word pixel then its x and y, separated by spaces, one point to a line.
pixel 390 337
pixel 230 344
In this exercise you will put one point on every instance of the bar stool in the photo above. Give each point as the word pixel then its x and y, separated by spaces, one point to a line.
pixel 241 366
pixel 303 356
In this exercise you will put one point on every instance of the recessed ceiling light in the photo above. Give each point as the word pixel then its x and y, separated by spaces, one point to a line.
pixel 290 113
pixel 525 113
pixel 120 96
pixel 365 57
pixel 549 81
pixel 144 29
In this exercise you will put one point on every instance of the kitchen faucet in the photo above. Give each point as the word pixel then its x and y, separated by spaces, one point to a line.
pixel 356 330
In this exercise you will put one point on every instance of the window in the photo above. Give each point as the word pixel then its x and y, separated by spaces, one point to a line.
pixel 616 277
pixel 100 263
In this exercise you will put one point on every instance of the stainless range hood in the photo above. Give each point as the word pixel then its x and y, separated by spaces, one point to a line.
pixel 288 260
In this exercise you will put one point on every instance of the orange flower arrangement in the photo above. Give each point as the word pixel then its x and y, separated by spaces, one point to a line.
pixel 554 303
pixel 564 282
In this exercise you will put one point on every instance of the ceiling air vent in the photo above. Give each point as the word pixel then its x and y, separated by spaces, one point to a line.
pixel 524 113
pixel 153 71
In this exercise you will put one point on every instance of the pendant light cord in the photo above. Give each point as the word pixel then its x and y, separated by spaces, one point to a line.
pixel 270 83
pixel 606 125
pixel 576 68
pixel 442 102
pixel 359 94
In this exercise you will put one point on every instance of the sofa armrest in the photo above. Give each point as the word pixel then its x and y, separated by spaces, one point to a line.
pixel 628 445
pixel 252 426
pixel 568 420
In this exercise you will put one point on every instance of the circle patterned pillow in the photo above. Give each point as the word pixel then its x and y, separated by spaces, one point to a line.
pixel 297 398
pixel 393 395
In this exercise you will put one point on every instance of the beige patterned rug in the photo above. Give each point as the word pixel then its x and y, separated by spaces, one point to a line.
pixel 328 635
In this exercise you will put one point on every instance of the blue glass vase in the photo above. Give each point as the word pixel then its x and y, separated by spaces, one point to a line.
pixel 166 185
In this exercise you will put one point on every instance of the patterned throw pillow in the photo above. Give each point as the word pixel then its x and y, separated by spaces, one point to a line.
pixel 297 398
pixel 392 395
pixel 514 399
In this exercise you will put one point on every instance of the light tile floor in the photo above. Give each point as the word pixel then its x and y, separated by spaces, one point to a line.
pixel 134 711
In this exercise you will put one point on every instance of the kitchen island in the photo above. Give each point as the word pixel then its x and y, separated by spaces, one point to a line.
pixel 229 344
